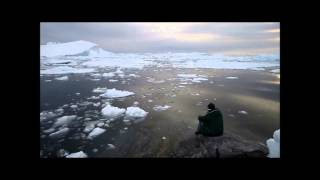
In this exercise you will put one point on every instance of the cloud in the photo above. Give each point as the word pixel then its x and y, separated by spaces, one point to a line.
pixel 164 37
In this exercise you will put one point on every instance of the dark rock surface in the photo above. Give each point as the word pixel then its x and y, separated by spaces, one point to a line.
pixel 226 146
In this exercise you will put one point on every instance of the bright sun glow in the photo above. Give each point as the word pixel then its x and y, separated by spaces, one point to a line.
pixel 176 31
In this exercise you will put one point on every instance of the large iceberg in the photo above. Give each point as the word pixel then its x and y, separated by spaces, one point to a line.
pixel 63 49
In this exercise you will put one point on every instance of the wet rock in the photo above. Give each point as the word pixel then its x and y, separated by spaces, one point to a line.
pixel 225 146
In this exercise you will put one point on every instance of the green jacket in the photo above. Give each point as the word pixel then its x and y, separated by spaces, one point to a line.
pixel 212 123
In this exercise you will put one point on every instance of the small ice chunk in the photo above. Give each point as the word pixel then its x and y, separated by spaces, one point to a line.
pixel 59 133
pixel 100 124
pixel 63 78
pixel 79 154
pixel 135 114
pixel 187 75
pixel 95 150
pixel 48 131
pixel 96 104
pixel 62 153
pixel 111 111
pixel 242 112
pixel 89 127
pixel 96 132
pixel 77 94
pixel 74 106
pixel 94 97
pixel 163 138
pixel 65 120
pixel 111 146
pixel 111 74
pixel 135 103
pixel 232 77
pixel 161 108
pixel 150 100
pixel 48 80
pixel 113 80
pixel 99 90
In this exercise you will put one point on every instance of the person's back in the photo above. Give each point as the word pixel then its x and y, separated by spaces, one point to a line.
pixel 212 123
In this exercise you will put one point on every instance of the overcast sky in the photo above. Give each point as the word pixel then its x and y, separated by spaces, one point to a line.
pixel 230 38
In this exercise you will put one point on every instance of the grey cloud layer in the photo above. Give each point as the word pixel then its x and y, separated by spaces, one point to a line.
pixel 132 37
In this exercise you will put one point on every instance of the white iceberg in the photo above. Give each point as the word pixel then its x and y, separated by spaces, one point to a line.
pixel 274 145
pixel 95 132
pixel 114 93
pixel 63 49
pixel 79 154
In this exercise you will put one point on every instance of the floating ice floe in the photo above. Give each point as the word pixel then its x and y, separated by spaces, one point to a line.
pixel 79 154
pixel 65 120
pixel 66 70
pixel 113 80
pixel 161 108
pixel 163 138
pixel 111 74
pixel 74 106
pixel 77 94
pixel 232 77
pixel 63 78
pixel 46 115
pixel 96 104
pixel 89 126
pixel 48 80
pixel 112 112
pixel 150 100
pixel 274 145
pixel 99 90
pixel 96 132
pixel 62 132
pixel 242 112
pixel 187 75
pixel 199 79
pixel 94 97
pixel 135 114
pixel 114 93
pixel 48 131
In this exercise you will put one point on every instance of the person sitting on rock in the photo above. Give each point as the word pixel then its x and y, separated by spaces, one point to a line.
pixel 212 123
